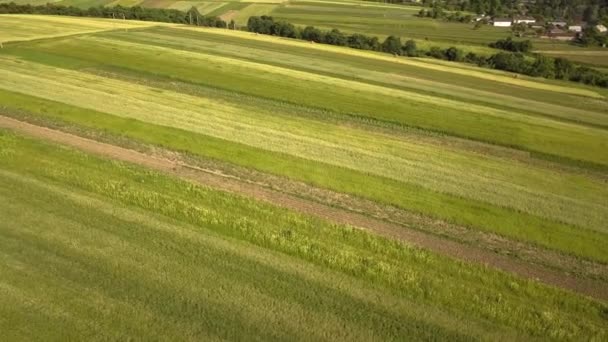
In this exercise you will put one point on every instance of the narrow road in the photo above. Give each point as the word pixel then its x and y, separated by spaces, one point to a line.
pixel 592 288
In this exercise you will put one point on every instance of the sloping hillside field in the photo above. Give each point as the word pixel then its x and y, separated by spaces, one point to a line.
pixel 369 197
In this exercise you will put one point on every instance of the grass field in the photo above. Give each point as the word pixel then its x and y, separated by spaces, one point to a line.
pixel 83 247
pixel 258 109
pixel 372 18
pixel 31 27
pixel 144 255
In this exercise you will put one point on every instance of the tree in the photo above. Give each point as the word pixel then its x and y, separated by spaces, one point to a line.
pixel 543 66
pixel 335 37
pixel 435 52
pixel 563 68
pixel 392 45
pixel 312 34
pixel 519 29
pixel 453 54
pixel 410 48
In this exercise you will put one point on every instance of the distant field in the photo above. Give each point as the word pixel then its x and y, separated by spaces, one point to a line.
pixel 29 27
pixel 372 18
pixel 383 20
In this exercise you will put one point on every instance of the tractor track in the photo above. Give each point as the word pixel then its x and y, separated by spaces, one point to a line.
pixel 590 287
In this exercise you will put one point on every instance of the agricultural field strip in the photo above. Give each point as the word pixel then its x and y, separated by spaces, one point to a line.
pixel 227 182
pixel 586 311
pixel 267 71
pixel 315 56
pixel 359 4
pixel 477 215
pixel 520 130
pixel 384 22
pixel 28 27
pixel 208 7
pixel 125 3
pixel 254 9
pixel 468 175
pixel 385 78
pixel 492 76
pixel 107 245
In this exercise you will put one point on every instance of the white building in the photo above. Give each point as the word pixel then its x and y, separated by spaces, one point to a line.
pixel 601 28
pixel 575 28
pixel 525 20
pixel 502 22
pixel 558 23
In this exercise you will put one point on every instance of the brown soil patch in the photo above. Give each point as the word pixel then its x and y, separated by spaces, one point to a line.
pixel 230 15
pixel 212 178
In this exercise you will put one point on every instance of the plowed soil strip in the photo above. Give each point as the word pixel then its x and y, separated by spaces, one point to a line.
pixel 589 287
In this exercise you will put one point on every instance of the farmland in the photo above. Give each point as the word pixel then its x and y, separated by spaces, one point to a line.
pixel 371 18
pixel 513 166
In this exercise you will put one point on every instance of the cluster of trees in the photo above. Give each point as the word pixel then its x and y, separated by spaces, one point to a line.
pixel 592 11
pixel 267 25
pixel 534 65
pixel 511 45
pixel 132 13
pixel 436 12
pixel 592 37
pixel 540 66
pixel 514 61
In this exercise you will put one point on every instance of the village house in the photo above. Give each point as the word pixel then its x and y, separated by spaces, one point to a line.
pixel 559 34
pixel 575 28
pixel 525 20
pixel 502 22
pixel 558 23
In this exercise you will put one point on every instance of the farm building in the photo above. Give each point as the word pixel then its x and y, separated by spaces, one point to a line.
pixel 575 28
pixel 558 23
pixel 502 22
pixel 559 34
pixel 525 20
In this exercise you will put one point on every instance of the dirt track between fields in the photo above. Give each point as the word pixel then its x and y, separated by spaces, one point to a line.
pixel 593 288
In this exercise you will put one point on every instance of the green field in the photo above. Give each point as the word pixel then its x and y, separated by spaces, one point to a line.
pixel 84 257
pixel 276 113
pixel 99 249
pixel 31 27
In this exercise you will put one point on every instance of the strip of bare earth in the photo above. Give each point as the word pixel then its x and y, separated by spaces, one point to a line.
pixel 590 287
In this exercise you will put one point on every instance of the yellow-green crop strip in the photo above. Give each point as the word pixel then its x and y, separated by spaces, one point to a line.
pixel 15 27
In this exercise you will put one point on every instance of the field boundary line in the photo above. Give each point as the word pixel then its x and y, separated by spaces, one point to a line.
pixel 220 181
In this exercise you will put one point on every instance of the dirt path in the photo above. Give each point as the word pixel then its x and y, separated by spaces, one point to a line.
pixel 593 288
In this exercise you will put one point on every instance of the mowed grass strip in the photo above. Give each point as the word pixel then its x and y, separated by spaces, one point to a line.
pixel 88 252
pixel 384 73
pixel 497 77
pixel 15 27
pixel 475 214
pixel 562 141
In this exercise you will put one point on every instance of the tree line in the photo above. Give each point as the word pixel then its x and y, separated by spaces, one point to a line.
pixel 192 16
pixel 513 61
pixel 591 11
pixel 511 45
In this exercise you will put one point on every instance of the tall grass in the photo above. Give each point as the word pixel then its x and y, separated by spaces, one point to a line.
pixel 151 271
